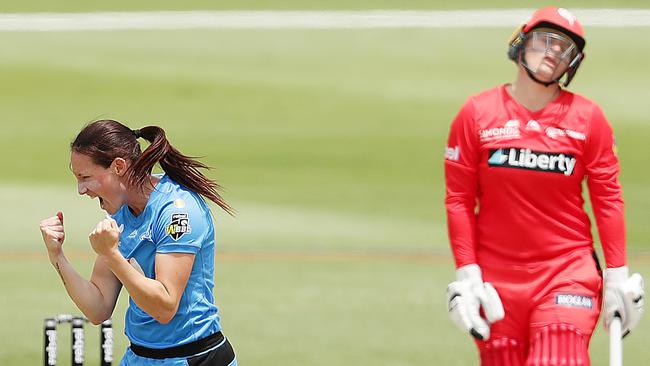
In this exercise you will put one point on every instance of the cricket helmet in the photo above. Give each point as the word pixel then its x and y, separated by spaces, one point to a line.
pixel 559 19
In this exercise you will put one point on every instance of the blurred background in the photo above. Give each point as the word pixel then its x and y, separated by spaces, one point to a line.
pixel 329 143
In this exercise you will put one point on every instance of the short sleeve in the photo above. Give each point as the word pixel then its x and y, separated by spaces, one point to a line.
pixel 182 226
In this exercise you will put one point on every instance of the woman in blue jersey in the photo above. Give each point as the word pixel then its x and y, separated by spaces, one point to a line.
pixel 158 242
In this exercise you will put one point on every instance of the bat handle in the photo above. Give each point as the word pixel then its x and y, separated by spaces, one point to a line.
pixel 615 342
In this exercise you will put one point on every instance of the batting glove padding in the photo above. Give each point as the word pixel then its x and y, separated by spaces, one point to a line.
pixel 466 296
pixel 624 297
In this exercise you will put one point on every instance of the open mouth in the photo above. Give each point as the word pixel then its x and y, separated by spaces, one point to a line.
pixel 101 202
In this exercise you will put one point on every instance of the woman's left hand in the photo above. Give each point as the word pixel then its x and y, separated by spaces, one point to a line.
pixel 105 238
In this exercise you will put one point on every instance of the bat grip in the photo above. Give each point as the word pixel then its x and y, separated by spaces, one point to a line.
pixel 615 342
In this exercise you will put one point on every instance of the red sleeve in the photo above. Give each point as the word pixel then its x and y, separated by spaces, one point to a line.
pixel 604 189
pixel 461 178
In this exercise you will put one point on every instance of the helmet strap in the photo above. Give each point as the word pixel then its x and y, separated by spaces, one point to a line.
pixel 545 83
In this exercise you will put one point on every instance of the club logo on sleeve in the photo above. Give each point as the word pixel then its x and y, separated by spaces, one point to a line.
pixel 179 226
pixel 576 301
pixel 511 157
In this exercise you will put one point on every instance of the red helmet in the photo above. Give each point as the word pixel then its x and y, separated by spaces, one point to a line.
pixel 560 19
pixel 556 18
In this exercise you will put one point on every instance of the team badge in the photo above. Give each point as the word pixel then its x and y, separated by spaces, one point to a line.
pixel 179 226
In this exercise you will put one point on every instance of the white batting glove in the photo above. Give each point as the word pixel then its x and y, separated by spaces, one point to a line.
pixel 624 297
pixel 466 296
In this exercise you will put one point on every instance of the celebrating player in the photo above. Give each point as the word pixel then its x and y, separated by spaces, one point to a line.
pixel 158 243
pixel 528 284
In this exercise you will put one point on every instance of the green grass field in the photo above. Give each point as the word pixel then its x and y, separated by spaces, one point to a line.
pixel 329 143
pixel 121 5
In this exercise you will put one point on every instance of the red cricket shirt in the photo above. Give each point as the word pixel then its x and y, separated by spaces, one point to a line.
pixel 514 180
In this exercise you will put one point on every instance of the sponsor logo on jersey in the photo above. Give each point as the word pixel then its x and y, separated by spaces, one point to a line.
pixel 533 125
pixel 179 226
pixel 576 301
pixel 452 153
pixel 576 135
pixel 554 133
pixel 146 236
pixel 511 157
pixel 509 131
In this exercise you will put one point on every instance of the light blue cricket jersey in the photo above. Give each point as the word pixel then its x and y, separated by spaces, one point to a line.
pixel 175 220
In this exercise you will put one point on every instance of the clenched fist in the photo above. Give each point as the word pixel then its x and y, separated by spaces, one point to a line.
pixel 105 237
pixel 53 233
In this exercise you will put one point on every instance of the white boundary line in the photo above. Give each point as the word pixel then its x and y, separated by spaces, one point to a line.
pixel 235 19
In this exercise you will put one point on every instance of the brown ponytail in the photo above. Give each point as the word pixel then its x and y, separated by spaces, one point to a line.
pixel 105 140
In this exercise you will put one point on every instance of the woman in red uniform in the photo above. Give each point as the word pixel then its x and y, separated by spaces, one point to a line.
pixel 528 286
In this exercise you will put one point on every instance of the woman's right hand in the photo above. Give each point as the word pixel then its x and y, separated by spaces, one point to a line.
pixel 53 233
